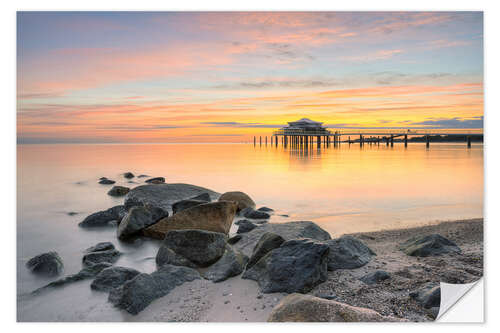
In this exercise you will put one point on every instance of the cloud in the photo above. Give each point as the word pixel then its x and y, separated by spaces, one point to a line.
pixel 238 124
pixel 374 56
pixel 456 122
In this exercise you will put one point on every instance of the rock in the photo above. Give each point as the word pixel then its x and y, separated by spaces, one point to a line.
pixel 185 204
pixel 139 218
pixel 298 265
pixel 106 181
pixel 48 264
pixel 107 256
pixel 103 246
pixel 113 277
pixel 269 241
pixel 128 175
pixel 348 252
pixel 428 296
pixel 136 294
pixel 430 245
pixel 118 191
pixel 250 213
pixel 102 218
pixel 234 239
pixel 143 176
pixel 265 209
pixel 86 273
pixel 375 277
pixel 166 256
pixel 307 308
pixel 328 296
pixel 72 213
pixel 245 226
pixel 214 216
pixel 203 197
pixel 230 264
pixel 156 180
pixel 163 195
pixel 289 230
pixel 242 199
pixel 200 247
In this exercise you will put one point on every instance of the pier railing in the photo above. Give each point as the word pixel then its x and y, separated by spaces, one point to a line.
pixel 303 132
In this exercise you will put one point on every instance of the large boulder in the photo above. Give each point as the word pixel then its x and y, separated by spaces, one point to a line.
pixel 202 197
pixel 242 199
pixel 103 218
pixel 230 264
pixel 298 265
pixel 48 264
pixel 118 191
pixel 136 294
pixel 429 245
pixel 348 252
pixel 289 230
pixel 214 216
pixel 164 195
pixel 98 257
pixel 185 204
pixel 269 241
pixel 307 308
pixel 251 213
pixel 113 277
pixel 201 248
pixel 429 296
pixel 137 219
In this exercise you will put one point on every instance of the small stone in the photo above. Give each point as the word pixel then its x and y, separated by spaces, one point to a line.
pixel 106 181
pixel 227 302
pixel 118 191
pixel 156 180
pixel 128 175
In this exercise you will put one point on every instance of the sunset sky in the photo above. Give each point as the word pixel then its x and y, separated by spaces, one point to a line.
pixel 224 77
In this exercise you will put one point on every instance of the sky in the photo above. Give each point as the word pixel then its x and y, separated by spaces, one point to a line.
pixel 110 77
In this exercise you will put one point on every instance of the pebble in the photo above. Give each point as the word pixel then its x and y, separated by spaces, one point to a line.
pixel 227 302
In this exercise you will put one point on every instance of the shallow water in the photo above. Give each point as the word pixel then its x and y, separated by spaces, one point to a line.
pixel 344 190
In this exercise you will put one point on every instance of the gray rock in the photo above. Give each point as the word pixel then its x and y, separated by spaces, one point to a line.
pixel 245 226
pixel 48 264
pixel 156 180
pixel 328 296
pixel 265 209
pixel 118 191
pixel 348 252
pixel 430 245
pixel 298 265
pixel 136 294
pixel 234 239
pixel 139 218
pixel 375 277
pixel 106 181
pixel 128 175
pixel 230 264
pixel 289 230
pixel 269 241
pixel 428 296
pixel 203 197
pixel 167 256
pixel 142 176
pixel 102 218
pixel 103 246
pixel 251 213
pixel 199 247
pixel 72 213
pixel 107 256
pixel 242 199
pixel 113 277
pixel 184 204
pixel 163 195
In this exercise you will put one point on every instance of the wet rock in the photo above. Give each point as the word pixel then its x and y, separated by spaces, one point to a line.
pixel 163 195
pixel 428 296
pixel 234 239
pixel 307 308
pixel 107 256
pixel 203 197
pixel 142 176
pixel 289 230
pixel 156 180
pixel 214 216
pixel 429 245
pixel 106 181
pixel 48 264
pixel 298 265
pixel 166 256
pixel 375 277
pixel 128 175
pixel 265 209
pixel 103 246
pixel 118 191
pixel 250 213
pixel 200 247
pixel 136 294
pixel 230 264
pixel 102 218
pixel 242 199
pixel 185 204
pixel 245 226
pixel 137 219
pixel 348 252
pixel 269 241
pixel 113 277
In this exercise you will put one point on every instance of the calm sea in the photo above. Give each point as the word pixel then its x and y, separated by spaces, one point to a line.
pixel 344 190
